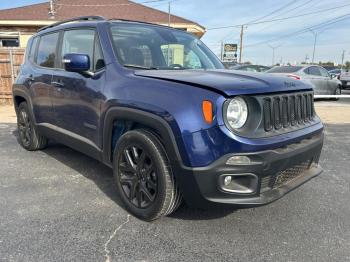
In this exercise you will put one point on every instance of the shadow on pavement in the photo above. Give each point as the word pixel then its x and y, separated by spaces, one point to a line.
pixel 102 176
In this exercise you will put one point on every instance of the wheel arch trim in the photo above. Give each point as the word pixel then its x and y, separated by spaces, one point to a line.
pixel 145 118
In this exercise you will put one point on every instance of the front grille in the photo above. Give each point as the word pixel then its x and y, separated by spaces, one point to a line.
pixel 283 111
pixel 284 177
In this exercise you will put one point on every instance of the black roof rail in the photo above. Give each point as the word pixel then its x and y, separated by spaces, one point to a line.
pixel 76 19
pixel 136 21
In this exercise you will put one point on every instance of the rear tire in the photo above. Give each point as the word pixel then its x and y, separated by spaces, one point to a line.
pixel 144 177
pixel 29 137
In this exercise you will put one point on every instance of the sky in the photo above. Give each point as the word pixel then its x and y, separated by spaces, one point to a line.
pixel 259 39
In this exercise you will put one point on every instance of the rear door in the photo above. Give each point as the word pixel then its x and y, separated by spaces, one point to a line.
pixel 43 61
pixel 320 84
pixel 77 97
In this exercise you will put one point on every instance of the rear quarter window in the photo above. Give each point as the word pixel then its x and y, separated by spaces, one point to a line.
pixel 32 49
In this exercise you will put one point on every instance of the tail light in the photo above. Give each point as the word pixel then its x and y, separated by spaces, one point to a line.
pixel 294 76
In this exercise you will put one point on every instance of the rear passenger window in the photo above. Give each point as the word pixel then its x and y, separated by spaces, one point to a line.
pixel 314 71
pixel 31 55
pixel 47 50
pixel 79 41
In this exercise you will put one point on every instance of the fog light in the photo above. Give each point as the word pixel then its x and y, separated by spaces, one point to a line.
pixel 227 180
pixel 239 183
pixel 238 160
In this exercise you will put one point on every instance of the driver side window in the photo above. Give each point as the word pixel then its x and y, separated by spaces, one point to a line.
pixel 324 72
pixel 79 41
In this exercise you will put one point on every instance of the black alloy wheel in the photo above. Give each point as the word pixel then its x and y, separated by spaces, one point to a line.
pixel 29 137
pixel 143 175
pixel 137 176
pixel 24 127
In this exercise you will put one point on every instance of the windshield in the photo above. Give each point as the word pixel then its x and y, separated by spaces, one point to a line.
pixel 154 47
pixel 284 69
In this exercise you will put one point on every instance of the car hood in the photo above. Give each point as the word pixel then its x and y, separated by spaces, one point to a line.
pixel 228 82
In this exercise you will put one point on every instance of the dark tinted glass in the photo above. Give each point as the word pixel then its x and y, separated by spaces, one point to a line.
pixel 31 55
pixel 156 47
pixel 314 71
pixel 284 69
pixel 47 50
pixel 98 57
pixel 79 41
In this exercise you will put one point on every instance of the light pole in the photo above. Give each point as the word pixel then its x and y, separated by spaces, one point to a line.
pixel 273 52
pixel 315 40
pixel 342 59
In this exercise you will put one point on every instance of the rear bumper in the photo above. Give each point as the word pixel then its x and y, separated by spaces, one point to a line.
pixel 276 171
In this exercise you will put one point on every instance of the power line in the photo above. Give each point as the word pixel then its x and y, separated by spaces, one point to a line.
pixel 287 11
pixel 120 4
pixel 304 30
pixel 273 12
pixel 281 19
pixel 294 8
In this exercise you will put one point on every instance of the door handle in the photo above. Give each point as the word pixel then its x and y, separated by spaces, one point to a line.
pixel 57 84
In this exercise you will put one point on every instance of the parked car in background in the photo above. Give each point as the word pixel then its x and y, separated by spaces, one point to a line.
pixel 335 73
pixel 344 77
pixel 227 65
pixel 319 77
pixel 250 68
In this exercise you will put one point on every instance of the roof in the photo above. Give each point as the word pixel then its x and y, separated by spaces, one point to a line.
pixel 110 9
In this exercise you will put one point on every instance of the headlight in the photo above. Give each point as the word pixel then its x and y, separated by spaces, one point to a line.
pixel 237 112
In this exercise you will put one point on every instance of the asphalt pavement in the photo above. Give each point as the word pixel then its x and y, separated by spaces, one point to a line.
pixel 59 205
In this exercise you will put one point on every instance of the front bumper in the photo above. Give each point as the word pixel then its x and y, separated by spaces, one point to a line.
pixel 278 171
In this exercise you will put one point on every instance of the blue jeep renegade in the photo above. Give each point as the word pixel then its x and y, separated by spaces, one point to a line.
pixel 156 105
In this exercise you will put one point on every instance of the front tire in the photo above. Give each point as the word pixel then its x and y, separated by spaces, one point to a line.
pixel 29 137
pixel 144 177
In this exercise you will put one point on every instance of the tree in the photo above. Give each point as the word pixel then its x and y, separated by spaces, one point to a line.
pixel 347 65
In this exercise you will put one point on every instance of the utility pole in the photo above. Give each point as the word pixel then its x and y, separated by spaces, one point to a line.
pixel 342 59
pixel 315 40
pixel 241 44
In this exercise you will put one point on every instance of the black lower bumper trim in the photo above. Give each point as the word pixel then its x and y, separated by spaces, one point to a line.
pixel 268 163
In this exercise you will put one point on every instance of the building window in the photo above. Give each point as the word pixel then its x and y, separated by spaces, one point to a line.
pixel 9 42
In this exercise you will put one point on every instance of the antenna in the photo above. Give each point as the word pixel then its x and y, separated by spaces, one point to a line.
pixel 52 10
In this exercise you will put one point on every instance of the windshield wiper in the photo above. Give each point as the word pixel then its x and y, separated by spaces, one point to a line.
pixel 140 67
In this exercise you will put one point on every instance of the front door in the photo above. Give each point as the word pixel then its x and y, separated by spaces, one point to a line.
pixel 77 96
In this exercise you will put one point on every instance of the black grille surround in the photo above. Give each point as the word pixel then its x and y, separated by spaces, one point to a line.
pixel 288 110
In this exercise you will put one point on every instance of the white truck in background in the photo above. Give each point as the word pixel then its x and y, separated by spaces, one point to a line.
pixel 344 77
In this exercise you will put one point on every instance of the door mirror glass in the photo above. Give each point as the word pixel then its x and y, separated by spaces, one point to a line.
pixel 76 62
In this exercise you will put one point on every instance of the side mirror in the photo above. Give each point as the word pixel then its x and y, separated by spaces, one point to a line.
pixel 76 62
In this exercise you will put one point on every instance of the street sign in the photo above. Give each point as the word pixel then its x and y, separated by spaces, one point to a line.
pixel 230 53
pixel 228 48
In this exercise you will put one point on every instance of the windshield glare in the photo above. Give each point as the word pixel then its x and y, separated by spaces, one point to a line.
pixel 152 47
